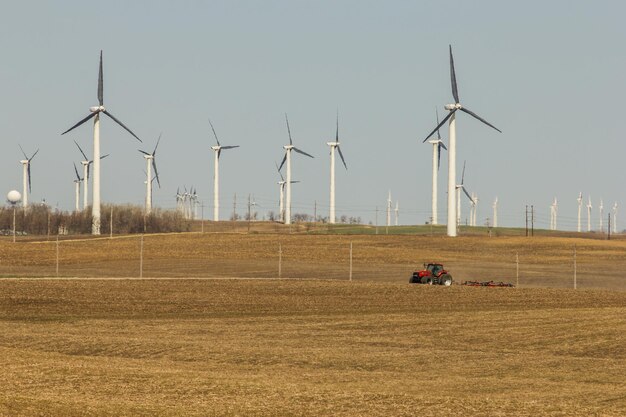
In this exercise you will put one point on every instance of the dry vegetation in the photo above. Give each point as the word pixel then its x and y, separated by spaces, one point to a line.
pixel 376 346
pixel 308 347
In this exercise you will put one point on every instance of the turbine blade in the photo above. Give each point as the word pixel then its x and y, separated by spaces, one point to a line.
pixel 467 194
pixel 100 83
pixel 121 124
pixel 104 156
pixel 31 158
pixel 463 175
pixel 283 162
pixel 288 129
pixel 156 172
pixel 76 171
pixel 157 144
pixel 441 145
pixel 28 173
pixel 144 152
pixel 279 173
pixel 88 169
pixel 23 153
pixel 471 113
pixel 81 151
pixel 80 123
pixel 303 153
pixel 219 152
pixel 293 182
pixel 341 155
pixel 437 113
pixel 337 134
pixel 230 147
pixel 455 92
pixel 214 134
pixel 438 156
pixel 445 119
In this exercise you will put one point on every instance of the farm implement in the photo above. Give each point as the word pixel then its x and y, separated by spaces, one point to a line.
pixel 490 284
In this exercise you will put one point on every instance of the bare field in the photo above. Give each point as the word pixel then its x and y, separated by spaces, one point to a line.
pixel 307 347
pixel 543 260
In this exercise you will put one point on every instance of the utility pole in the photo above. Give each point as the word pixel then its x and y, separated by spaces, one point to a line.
pixel 234 210
pixel 574 266
pixel 350 261
pixel 609 228
pixel 249 213
pixel 376 220
pixel 111 224
pixel 202 214
pixel 532 220
pixel 516 269
pixel 315 211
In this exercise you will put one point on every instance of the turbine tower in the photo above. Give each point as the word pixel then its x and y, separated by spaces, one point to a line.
pixel 474 204
pixel 77 182
pixel 458 189
pixel 396 212
pixel 281 201
pixel 26 182
pixel 151 164
pixel 216 173
pixel 495 212
pixel 615 217
pixel 601 211
pixel 334 145
pixel 86 164
pixel 580 206
pixel 389 209
pixel 95 114
pixel 553 214
pixel 452 108
pixel 589 207
pixel 287 158
pixel 437 145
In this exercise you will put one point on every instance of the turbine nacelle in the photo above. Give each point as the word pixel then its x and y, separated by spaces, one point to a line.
pixel 216 148
pixel 455 106
pixel 96 109
pixel 288 147
pixel 24 162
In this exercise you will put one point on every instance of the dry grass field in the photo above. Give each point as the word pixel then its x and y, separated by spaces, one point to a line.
pixel 307 347
pixel 189 341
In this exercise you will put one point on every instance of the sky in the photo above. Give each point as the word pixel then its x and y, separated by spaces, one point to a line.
pixel 550 75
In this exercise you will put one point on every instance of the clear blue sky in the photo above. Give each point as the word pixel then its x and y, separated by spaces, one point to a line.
pixel 550 75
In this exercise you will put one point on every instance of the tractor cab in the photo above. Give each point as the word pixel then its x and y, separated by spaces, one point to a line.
pixel 433 273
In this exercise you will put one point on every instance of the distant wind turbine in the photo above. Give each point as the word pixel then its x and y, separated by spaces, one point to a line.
pixel 601 212
pixel 495 212
pixel 389 209
pixel 95 114
pixel 287 158
pixel 437 145
pixel 281 201
pixel 452 108
pixel 216 173
pixel 589 207
pixel 26 181
pixel 459 188
pixel 151 164
pixel 396 212
pixel 77 182
pixel 615 217
pixel 580 205
pixel 86 164
pixel 334 145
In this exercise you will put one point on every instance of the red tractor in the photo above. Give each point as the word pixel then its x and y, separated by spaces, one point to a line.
pixel 432 274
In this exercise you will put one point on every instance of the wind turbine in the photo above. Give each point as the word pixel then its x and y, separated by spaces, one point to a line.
pixel 589 207
pixel 77 182
pixel 281 201
pixel 151 163
pixel 95 114
pixel 26 176
pixel 287 158
pixel 458 189
pixel 495 212
pixel 615 217
pixel 216 173
pixel 474 204
pixel 601 211
pixel 389 209
pixel 334 145
pixel 437 145
pixel 396 212
pixel 580 205
pixel 86 164
pixel 452 108
pixel 553 214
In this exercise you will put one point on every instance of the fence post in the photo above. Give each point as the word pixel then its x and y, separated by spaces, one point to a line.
pixel 280 260
pixel 575 283
pixel 516 269
pixel 57 256
pixel 350 261
pixel 141 258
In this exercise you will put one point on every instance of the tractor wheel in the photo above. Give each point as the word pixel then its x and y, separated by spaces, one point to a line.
pixel 446 280
pixel 427 281
pixel 413 279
